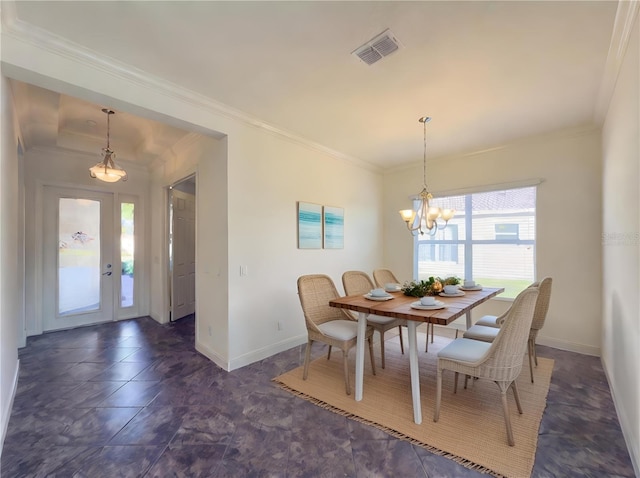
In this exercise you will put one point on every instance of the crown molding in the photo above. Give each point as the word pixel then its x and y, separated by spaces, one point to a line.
pixel 625 16
pixel 16 29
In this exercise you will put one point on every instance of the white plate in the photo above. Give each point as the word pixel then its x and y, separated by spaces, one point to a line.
pixel 476 287
pixel 419 306
pixel 457 294
pixel 395 289
pixel 373 297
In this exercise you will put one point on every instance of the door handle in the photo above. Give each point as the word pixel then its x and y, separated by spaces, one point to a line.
pixel 108 273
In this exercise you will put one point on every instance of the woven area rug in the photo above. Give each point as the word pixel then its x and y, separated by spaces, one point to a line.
pixel 471 428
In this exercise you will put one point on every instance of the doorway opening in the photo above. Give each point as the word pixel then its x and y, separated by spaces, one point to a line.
pixel 182 248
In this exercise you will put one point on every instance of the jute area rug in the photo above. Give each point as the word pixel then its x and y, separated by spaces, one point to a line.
pixel 471 429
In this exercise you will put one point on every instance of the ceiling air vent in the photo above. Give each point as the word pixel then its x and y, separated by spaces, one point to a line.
pixel 377 48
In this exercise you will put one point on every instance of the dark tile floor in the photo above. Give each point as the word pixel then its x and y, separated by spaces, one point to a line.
pixel 134 398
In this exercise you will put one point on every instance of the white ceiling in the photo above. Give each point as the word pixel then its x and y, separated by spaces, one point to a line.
pixel 486 72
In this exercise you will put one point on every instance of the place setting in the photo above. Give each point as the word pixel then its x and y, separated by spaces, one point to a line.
pixel 392 287
pixel 451 291
pixel 470 285
pixel 428 303
pixel 378 294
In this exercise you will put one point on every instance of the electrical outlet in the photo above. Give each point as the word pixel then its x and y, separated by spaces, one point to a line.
pixel 243 270
pixel 280 326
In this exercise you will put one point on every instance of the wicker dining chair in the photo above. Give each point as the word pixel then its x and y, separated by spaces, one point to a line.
pixel 499 361
pixel 486 329
pixel 494 320
pixel 330 325
pixel 359 283
pixel 384 276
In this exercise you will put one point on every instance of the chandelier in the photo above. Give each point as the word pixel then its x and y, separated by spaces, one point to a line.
pixel 427 219
pixel 107 170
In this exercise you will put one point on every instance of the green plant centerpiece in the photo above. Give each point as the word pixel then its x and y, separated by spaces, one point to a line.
pixel 433 286
pixel 451 280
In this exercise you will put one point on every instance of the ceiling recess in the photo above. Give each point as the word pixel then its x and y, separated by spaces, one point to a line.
pixel 377 48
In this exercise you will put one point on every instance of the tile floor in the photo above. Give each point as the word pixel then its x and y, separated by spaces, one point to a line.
pixel 134 398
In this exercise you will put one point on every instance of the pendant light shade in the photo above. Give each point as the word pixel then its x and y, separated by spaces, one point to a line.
pixel 107 170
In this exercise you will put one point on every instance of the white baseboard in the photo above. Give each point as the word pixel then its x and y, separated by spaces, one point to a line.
pixel 625 423
pixel 251 357
pixel 569 346
pixel 272 349
pixel 6 413
pixel 211 355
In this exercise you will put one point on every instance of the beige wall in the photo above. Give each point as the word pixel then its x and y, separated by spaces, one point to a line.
pixel 267 177
pixel 206 158
pixel 11 267
pixel 621 246
pixel 248 185
pixel 568 222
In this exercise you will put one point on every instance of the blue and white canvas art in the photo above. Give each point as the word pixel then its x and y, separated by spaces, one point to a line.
pixel 309 225
pixel 333 227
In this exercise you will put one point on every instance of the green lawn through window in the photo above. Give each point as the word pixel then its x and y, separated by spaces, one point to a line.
pixel 512 287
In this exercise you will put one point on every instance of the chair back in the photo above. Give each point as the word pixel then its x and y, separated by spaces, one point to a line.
pixel 356 283
pixel 315 291
pixel 504 358
pixel 542 304
pixel 384 276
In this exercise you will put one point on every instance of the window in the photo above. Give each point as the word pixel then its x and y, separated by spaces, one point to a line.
pixel 127 241
pixel 507 231
pixel 443 252
pixel 491 240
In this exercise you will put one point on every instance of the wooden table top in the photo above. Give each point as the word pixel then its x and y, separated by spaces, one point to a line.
pixel 400 306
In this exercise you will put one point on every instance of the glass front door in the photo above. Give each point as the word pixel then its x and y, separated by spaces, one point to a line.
pixel 79 271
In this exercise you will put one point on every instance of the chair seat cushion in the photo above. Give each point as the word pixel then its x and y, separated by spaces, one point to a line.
pixel 464 350
pixel 340 329
pixel 481 332
pixel 488 321
pixel 378 319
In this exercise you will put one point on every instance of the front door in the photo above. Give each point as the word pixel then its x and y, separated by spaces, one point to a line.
pixel 79 268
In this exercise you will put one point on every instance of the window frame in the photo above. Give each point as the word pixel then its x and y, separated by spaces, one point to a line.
pixel 133 310
pixel 467 241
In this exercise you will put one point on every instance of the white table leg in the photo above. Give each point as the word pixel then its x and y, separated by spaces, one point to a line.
pixel 415 374
pixel 362 331
pixel 468 320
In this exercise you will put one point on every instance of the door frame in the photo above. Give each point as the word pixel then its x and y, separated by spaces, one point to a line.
pixel 168 296
pixel 140 305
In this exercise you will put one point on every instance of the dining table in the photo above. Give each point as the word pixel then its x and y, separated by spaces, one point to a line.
pixel 400 306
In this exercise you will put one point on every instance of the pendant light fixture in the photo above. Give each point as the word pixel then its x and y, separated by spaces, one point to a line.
pixel 107 170
pixel 425 219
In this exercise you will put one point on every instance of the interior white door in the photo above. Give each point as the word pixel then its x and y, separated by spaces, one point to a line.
pixel 78 258
pixel 183 243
